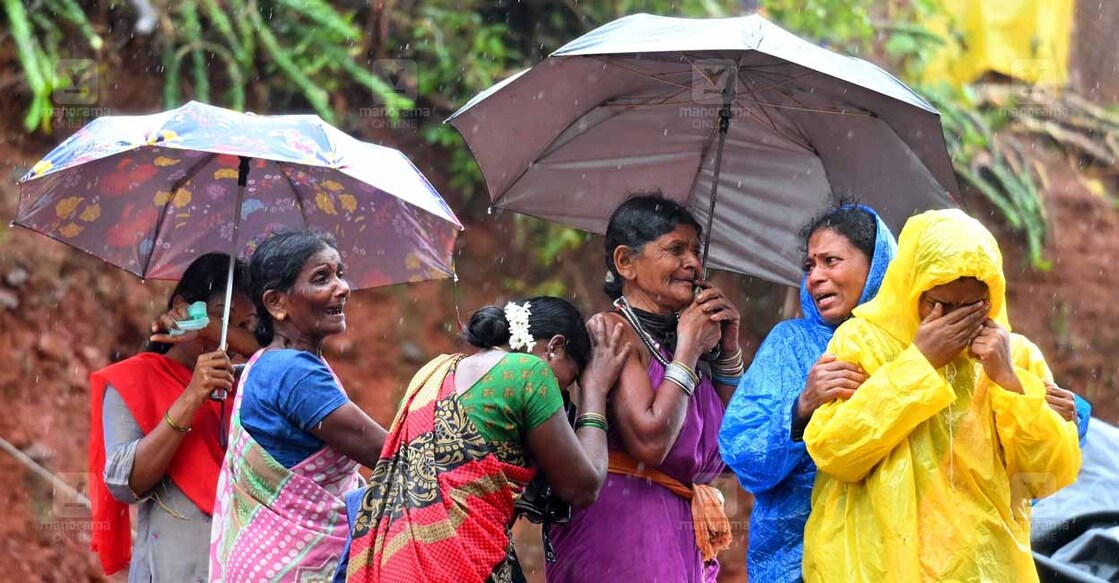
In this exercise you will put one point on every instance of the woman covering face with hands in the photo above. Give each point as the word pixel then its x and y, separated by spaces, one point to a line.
pixel 928 469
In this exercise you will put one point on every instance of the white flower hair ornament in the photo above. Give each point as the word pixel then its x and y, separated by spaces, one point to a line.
pixel 519 336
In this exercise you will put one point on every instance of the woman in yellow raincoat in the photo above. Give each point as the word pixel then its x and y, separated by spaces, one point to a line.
pixel 927 472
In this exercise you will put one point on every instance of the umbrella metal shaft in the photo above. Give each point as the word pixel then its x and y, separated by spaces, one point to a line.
pixel 242 183
pixel 724 125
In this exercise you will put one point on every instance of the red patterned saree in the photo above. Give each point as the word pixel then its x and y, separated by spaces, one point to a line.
pixel 440 502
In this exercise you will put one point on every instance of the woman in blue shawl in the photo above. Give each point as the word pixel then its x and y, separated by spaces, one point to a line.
pixel 848 249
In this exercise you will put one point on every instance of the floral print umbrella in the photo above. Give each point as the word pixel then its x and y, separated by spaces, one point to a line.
pixel 151 193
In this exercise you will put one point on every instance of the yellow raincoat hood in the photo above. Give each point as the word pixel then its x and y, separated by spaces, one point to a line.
pixel 927 474
pixel 935 248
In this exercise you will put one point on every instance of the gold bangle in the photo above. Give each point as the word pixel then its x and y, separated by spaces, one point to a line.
pixel 180 429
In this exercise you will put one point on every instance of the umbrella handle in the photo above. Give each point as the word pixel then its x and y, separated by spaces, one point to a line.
pixel 242 182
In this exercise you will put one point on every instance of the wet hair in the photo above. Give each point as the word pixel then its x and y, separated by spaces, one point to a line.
pixel 275 265
pixel 847 219
pixel 488 327
pixel 205 278
pixel 642 218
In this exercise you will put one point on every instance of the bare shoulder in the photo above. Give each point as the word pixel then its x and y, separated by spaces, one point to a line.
pixel 629 335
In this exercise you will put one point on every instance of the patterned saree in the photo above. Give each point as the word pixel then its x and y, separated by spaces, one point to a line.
pixel 440 502
pixel 272 523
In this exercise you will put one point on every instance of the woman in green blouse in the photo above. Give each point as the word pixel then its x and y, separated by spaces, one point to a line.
pixel 472 432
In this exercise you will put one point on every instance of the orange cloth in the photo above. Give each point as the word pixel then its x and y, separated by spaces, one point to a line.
pixel 712 528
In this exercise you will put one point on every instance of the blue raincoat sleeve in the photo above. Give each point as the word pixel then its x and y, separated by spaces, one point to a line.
pixel 1084 413
pixel 755 439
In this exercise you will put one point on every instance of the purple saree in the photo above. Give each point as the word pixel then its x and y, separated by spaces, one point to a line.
pixel 637 530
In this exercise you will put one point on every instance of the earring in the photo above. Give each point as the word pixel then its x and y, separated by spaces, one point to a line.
pixel 281 316
pixel 551 355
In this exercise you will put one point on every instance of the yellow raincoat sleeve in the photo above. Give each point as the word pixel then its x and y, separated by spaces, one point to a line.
pixel 847 438
pixel 1041 448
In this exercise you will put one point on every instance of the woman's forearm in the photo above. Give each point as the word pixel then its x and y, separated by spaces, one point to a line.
pixel 155 450
pixel 593 440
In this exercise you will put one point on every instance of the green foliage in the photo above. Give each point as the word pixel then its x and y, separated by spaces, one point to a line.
pixel 844 25
pixel 291 47
pixel 279 49
pixel 457 55
pixel 39 36
pixel 603 12
pixel 998 169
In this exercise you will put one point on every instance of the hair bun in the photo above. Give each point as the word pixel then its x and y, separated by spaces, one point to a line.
pixel 488 327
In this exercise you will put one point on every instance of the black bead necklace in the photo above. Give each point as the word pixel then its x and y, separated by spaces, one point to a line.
pixel 646 338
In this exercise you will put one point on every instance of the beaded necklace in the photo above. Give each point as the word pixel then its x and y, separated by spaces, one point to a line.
pixel 646 338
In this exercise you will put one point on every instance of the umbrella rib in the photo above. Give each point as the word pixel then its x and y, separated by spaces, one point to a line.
pixel 686 87
pixel 809 109
pixel 692 67
pixel 620 103
pixel 798 140
pixel 642 104
pixel 776 84
pixel 858 111
pixel 191 173
pixel 641 74
pixel 295 193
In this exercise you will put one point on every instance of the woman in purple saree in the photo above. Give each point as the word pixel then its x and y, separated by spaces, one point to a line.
pixel 656 518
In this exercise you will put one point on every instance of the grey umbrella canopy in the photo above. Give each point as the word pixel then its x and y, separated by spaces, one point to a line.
pixel 637 105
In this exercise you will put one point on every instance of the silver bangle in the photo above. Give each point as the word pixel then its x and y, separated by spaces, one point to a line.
pixel 683 377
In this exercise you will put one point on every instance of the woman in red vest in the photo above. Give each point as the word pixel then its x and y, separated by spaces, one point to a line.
pixel 155 435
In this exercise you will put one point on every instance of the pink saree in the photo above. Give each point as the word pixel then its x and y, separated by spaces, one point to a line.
pixel 272 523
